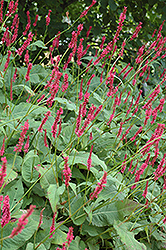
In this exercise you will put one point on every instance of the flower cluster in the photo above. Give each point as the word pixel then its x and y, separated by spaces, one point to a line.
pixel 54 126
pixel 99 187
pixel 66 171
pixel 22 221
pixel 22 136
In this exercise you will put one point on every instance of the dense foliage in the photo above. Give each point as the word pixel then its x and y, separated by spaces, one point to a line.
pixel 82 135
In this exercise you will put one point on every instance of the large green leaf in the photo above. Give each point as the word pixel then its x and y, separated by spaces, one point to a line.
pixel 15 191
pixel 82 157
pixel 105 216
pixel 127 237
pixel 79 217
pixel 29 173
pixel 77 244
pixel 54 193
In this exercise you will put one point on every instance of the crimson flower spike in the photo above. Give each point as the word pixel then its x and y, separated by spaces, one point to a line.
pixel 99 187
pixel 84 13
pixel 22 222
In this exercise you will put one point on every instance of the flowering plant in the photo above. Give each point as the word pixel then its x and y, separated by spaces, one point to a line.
pixel 81 142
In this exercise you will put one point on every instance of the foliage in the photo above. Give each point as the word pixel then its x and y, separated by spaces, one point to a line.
pixel 84 138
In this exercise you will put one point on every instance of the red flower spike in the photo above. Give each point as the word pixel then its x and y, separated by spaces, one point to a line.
pixel 66 171
pixel 5 211
pixel 52 228
pixel 22 221
pixel 48 18
pixel 99 187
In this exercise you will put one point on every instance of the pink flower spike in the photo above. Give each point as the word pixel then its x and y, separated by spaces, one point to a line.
pixel 145 191
pixel 41 98
pixel 102 42
pixel 28 24
pixel 84 13
pixel 7 60
pixel 137 133
pixel 26 147
pixel 26 58
pixel 48 18
pixel 70 236
pixel 27 77
pixel 52 228
pixel 136 31
pixel 22 221
pixel 2 150
pixel 45 138
pixel 60 128
pixel 5 211
pixel 99 187
pixel 24 129
pixel 3 170
pixel 54 126
pixel 1 11
pixel 36 19
pixel 40 128
pixel 66 171
pixel 80 93
pixel 78 121
pixel 65 83
pixel 88 32
pixel 89 161
pixel 41 217
pixel 11 91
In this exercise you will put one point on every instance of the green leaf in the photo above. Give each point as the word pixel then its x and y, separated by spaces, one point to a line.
pixel 38 43
pixel 82 157
pixel 112 5
pixel 15 191
pixel 29 173
pixel 54 195
pixel 127 237
pixel 77 244
pixel 79 217
pixel 105 216
pixel 59 237
pixel 30 246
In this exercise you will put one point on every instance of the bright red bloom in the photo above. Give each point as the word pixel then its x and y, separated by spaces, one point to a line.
pixel 54 126
pixel 26 147
pixel 22 136
pixel 66 171
pixel 27 77
pixel 45 138
pixel 2 150
pixel 89 161
pixel 26 58
pixel 36 18
pixel 48 18
pixel 84 13
pixel 28 24
pixel 70 236
pixel 40 128
pixel 7 60
pixel 135 34
pixel 25 44
pixel 5 211
pixel 145 191
pixel 52 228
pixel 3 170
pixel 65 83
pixel 1 11
pixel 99 187
pixel 22 221
pixel 88 32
